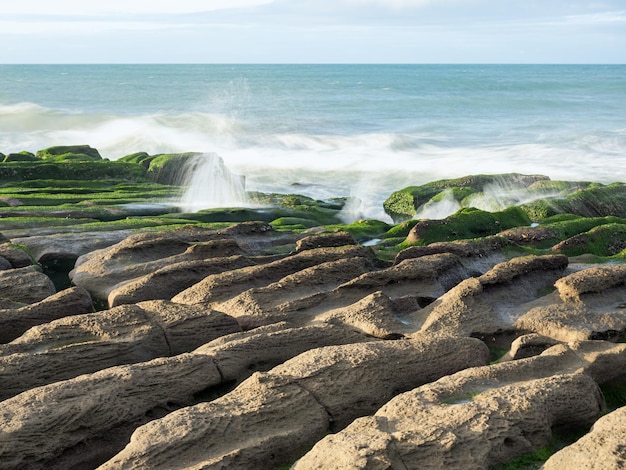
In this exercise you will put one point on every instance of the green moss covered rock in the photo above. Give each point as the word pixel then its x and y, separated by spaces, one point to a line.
pixel 466 223
pixel 168 168
pixel 139 157
pixel 363 230
pixel 19 157
pixel 592 200
pixel 73 170
pixel 603 240
pixel 69 152
pixel 404 204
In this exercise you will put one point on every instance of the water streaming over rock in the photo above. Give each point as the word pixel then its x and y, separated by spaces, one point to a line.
pixel 210 184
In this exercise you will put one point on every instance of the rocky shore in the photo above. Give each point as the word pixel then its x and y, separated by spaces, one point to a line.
pixel 137 336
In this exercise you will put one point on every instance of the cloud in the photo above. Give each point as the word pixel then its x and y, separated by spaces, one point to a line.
pixel 609 17
pixel 121 7
pixel 395 4
pixel 312 31
pixel 83 28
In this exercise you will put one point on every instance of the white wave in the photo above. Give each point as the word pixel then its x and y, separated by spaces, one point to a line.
pixel 445 206
pixel 366 167
pixel 211 184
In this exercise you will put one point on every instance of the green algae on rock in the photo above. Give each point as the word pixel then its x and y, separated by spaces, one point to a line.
pixel 403 204
pixel 59 153
pixel 467 223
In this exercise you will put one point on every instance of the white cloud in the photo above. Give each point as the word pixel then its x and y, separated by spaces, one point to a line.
pixel 393 3
pixel 71 7
pixel 598 18
pixel 311 31
pixel 82 27
pixel 404 4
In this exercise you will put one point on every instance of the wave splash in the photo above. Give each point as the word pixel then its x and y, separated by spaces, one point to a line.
pixel 365 166
pixel 210 184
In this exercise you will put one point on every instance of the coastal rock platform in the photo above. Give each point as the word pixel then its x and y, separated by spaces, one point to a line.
pixel 182 343
pixel 321 357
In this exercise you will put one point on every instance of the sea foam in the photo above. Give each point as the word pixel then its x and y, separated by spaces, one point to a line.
pixel 359 132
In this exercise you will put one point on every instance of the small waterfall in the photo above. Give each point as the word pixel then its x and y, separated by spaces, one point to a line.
pixel 211 184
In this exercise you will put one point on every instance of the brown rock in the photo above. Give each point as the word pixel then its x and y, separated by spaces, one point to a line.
pixel 15 255
pixel 600 449
pixel 70 412
pixel 72 301
pixel 166 282
pixel 84 344
pixel 70 245
pixel 325 240
pixel 375 315
pixel 239 354
pixel 494 300
pixel 142 254
pixel 89 428
pixel 530 345
pixel 530 236
pixel 261 424
pixel 589 281
pixel 26 285
pixel 286 299
pixel 224 286
pixel 476 418
pixel 588 304
pixel 271 418
pixel 424 278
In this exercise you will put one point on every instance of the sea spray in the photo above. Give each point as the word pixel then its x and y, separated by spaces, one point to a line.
pixel 210 184
pixel 357 131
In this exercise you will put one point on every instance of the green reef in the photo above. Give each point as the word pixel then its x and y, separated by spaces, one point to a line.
pixel 66 188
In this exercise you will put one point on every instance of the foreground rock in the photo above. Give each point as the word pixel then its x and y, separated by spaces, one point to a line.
pixel 602 448
pixel 14 322
pixel 588 304
pixel 125 397
pixel 272 417
pixel 244 347
pixel 473 419
pixel 26 285
pixel 82 344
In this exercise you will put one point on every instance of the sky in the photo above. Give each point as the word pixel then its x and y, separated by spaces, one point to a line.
pixel 313 31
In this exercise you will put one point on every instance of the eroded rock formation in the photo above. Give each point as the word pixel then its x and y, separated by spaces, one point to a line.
pixel 248 348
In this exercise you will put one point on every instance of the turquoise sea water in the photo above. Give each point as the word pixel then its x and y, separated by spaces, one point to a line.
pixel 337 130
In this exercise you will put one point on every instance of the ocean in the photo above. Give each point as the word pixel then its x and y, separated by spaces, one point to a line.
pixel 325 131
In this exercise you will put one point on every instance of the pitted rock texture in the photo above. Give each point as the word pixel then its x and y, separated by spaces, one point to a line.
pixel 272 416
pixel 27 285
pixel 247 348
pixel 601 449
pixel 14 322
pixel 475 418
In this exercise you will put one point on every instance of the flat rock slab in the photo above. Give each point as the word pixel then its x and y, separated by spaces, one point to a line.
pixel 70 245
pixel 127 395
pixel 166 282
pixel 494 300
pixel 588 304
pixel 141 254
pixel 222 287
